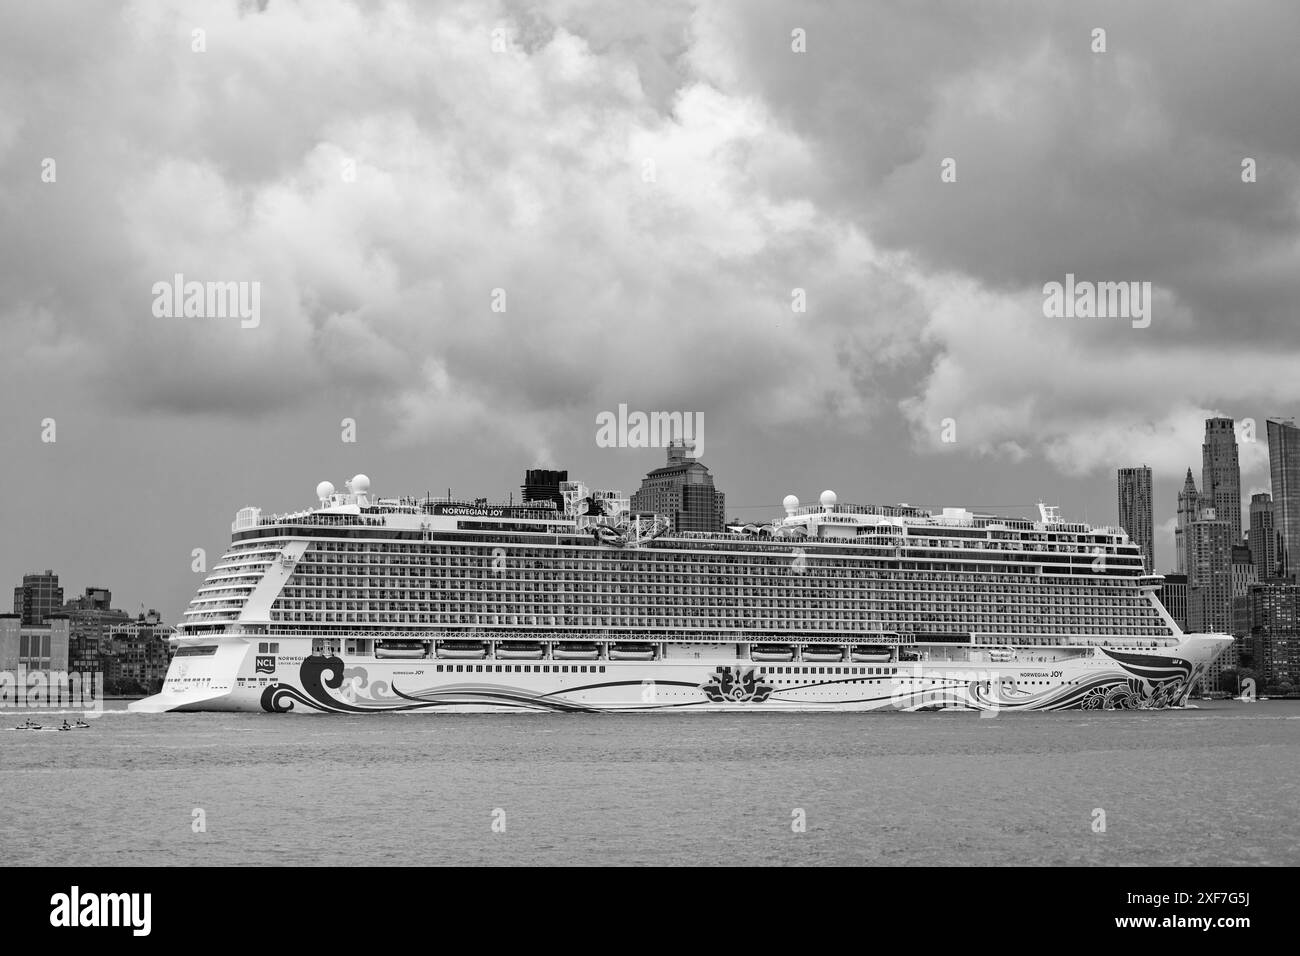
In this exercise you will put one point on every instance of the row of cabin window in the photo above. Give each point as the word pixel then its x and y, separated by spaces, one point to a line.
pixel 522 668
pixel 830 670
pixel 600 669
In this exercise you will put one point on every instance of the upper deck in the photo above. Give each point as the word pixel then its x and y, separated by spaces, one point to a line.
pixel 364 564
pixel 902 528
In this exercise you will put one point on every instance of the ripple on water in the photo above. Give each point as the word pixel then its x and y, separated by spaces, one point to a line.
pixel 1187 788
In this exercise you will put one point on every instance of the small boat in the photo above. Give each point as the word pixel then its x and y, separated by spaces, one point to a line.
pixel 399 649
pixel 462 650
pixel 823 654
pixel 870 653
pixel 519 651
pixel 631 652
pixel 575 652
pixel 780 653
pixel 28 724
pixel 80 725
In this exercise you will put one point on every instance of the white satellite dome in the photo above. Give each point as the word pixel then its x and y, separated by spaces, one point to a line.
pixel 324 489
pixel 360 485
pixel 790 503
pixel 828 499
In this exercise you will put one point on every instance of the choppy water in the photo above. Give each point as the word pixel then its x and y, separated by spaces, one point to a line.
pixel 1210 786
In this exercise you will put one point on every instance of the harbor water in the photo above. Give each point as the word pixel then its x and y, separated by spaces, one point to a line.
pixel 1205 786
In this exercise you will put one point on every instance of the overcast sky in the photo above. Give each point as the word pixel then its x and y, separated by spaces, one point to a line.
pixel 647 186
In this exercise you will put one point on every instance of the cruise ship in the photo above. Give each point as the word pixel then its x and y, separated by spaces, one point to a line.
pixel 363 604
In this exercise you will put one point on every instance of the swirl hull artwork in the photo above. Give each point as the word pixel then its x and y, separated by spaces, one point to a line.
pixel 317 684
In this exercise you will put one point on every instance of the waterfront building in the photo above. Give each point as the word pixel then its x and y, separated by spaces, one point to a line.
pixel 1135 512
pixel 683 492
pixel 1173 595
pixel 1221 473
pixel 38 597
pixel 1275 632
pixel 139 654
pixel 33 647
pixel 1209 578
pixel 1263 536
pixel 1243 570
pixel 95 599
pixel 1189 507
pixel 1284 472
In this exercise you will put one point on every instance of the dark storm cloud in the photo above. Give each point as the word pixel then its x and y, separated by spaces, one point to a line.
pixel 648 186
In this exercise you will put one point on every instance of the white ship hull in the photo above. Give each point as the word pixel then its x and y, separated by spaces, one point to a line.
pixel 235 677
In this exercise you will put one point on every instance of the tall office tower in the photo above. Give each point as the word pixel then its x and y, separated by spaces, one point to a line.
pixel 542 485
pixel 1221 473
pixel 1189 506
pixel 683 491
pixel 38 597
pixel 1173 595
pixel 1135 515
pixel 1284 472
pixel 1263 537
pixel 1275 632
pixel 1209 578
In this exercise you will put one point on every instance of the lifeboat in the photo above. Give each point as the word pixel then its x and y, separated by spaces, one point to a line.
pixel 632 652
pixel 772 652
pixel 462 650
pixel 575 652
pixel 870 653
pixel 823 653
pixel 519 651
pixel 399 649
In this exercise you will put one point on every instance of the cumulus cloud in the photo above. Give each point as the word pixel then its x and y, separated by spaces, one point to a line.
pixel 382 172
pixel 648 188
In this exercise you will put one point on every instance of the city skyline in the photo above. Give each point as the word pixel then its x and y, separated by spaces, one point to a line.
pixel 1163 520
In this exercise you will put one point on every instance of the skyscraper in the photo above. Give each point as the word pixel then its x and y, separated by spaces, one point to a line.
pixel 683 491
pixel 1284 472
pixel 1135 515
pixel 1221 473
pixel 1275 631
pixel 1263 537
pixel 38 597
pixel 1173 595
pixel 1209 574
pixel 1189 506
